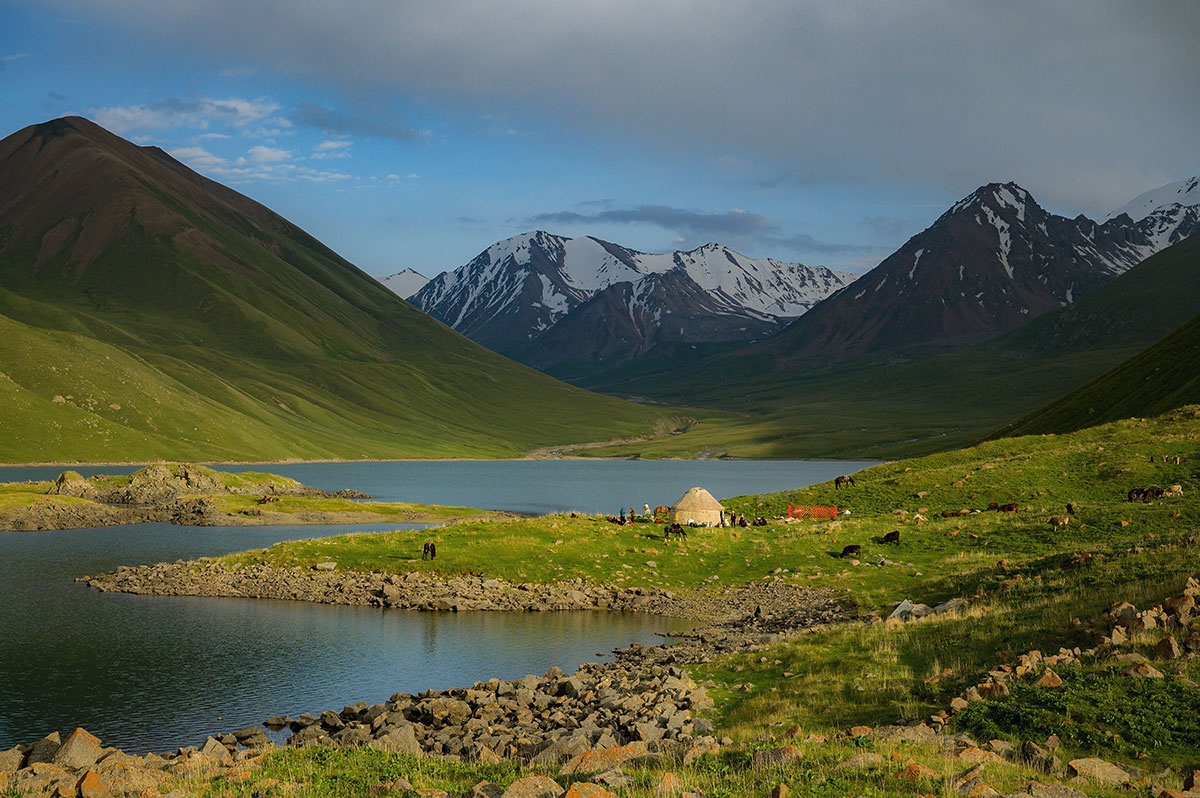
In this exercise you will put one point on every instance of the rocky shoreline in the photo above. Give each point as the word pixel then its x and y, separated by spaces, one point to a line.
pixel 641 706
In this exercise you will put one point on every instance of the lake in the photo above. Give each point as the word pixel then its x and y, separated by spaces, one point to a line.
pixel 154 673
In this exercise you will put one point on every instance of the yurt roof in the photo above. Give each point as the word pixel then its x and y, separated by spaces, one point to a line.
pixel 697 499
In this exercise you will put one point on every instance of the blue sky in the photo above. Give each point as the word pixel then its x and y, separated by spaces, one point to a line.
pixel 410 134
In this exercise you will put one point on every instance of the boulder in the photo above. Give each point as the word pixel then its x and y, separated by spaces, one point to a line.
pixel 1098 770
pixel 533 787
pixel 399 740
pixel 586 789
pixel 1168 648
pixel 214 749
pixel 1143 670
pixel 596 760
pixel 1049 679
pixel 915 771
pixel 11 759
pixel 44 749
pixel 1039 790
pixel 92 786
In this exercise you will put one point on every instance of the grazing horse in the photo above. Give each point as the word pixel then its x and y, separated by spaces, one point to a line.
pixel 844 479
pixel 429 550
pixel 674 529
pixel 852 550
pixel 891 537
pixel 1059 520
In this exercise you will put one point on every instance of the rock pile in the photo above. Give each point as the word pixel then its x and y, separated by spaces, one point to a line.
pixel 541 719
pixel 80 766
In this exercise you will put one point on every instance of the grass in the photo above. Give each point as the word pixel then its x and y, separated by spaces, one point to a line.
pixel 1029 587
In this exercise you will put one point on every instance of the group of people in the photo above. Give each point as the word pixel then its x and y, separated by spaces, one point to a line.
pixel 743 521
pixel 633 516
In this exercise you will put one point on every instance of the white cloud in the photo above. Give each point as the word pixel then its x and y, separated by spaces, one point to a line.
pixel 331 148
pixel 258 163
pixel 195 112
pixel 260 155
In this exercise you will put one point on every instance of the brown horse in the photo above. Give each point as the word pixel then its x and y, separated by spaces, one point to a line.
pixel 844 479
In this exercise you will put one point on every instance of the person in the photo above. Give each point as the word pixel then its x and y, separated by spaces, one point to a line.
pixel 632 515
pixel 646 510
pixel 622 515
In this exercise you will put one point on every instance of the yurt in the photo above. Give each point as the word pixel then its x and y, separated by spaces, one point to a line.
pixel 697 506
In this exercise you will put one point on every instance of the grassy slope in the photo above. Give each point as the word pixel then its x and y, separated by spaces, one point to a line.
pixel 889 409
pixel 873 674
pixel 224 332
pixel 1164 376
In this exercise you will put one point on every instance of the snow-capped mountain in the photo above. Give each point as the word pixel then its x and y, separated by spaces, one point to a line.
pixel 990 263
pixel 1184 193
pixel 405 283
pixel 517 295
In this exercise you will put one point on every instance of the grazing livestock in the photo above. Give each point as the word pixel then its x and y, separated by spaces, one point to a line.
pixel 891 537
pixel 844 479
pixel 1070 509
pixel 429 550
pixel 1146 494
pixel 1009 508
pixel 851 551
pixel 955 513
pixel 993 506
pixel 266 499
pixel 675 530
pixel 1059 520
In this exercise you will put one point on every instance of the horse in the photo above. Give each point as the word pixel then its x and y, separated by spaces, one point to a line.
pixel 429 550
pixel 674 529
pixel 1059 520
pixel 844 479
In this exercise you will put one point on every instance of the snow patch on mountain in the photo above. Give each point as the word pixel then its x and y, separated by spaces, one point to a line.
pixel 1181 192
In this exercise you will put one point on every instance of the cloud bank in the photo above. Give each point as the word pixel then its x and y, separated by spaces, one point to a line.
pixel 1085 104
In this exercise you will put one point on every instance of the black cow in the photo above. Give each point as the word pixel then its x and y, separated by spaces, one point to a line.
pixel 851 551
pixel 891 537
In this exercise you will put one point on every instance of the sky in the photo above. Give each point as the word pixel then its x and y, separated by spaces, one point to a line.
pixel 415 134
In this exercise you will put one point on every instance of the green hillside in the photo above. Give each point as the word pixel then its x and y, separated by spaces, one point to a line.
pixel 893 407
pixel 1162 377
pixel 148 312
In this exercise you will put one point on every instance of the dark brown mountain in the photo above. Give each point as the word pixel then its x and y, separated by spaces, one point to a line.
pixel 988 265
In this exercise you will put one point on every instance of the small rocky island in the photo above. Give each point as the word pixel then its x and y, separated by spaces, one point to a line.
pixel 194 495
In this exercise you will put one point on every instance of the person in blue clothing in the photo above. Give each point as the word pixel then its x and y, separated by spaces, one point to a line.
pixel 622 515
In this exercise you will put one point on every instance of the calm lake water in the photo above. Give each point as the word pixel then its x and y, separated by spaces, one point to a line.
pixel 154 673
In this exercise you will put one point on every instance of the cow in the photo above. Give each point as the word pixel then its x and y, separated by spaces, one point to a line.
pixel 851 551
pixel 891 537
pixel 1009 508
pixel 844 479
pixel 429 550
pixel 1059 520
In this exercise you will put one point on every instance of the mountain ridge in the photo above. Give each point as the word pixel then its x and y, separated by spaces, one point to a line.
pixel 513 294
